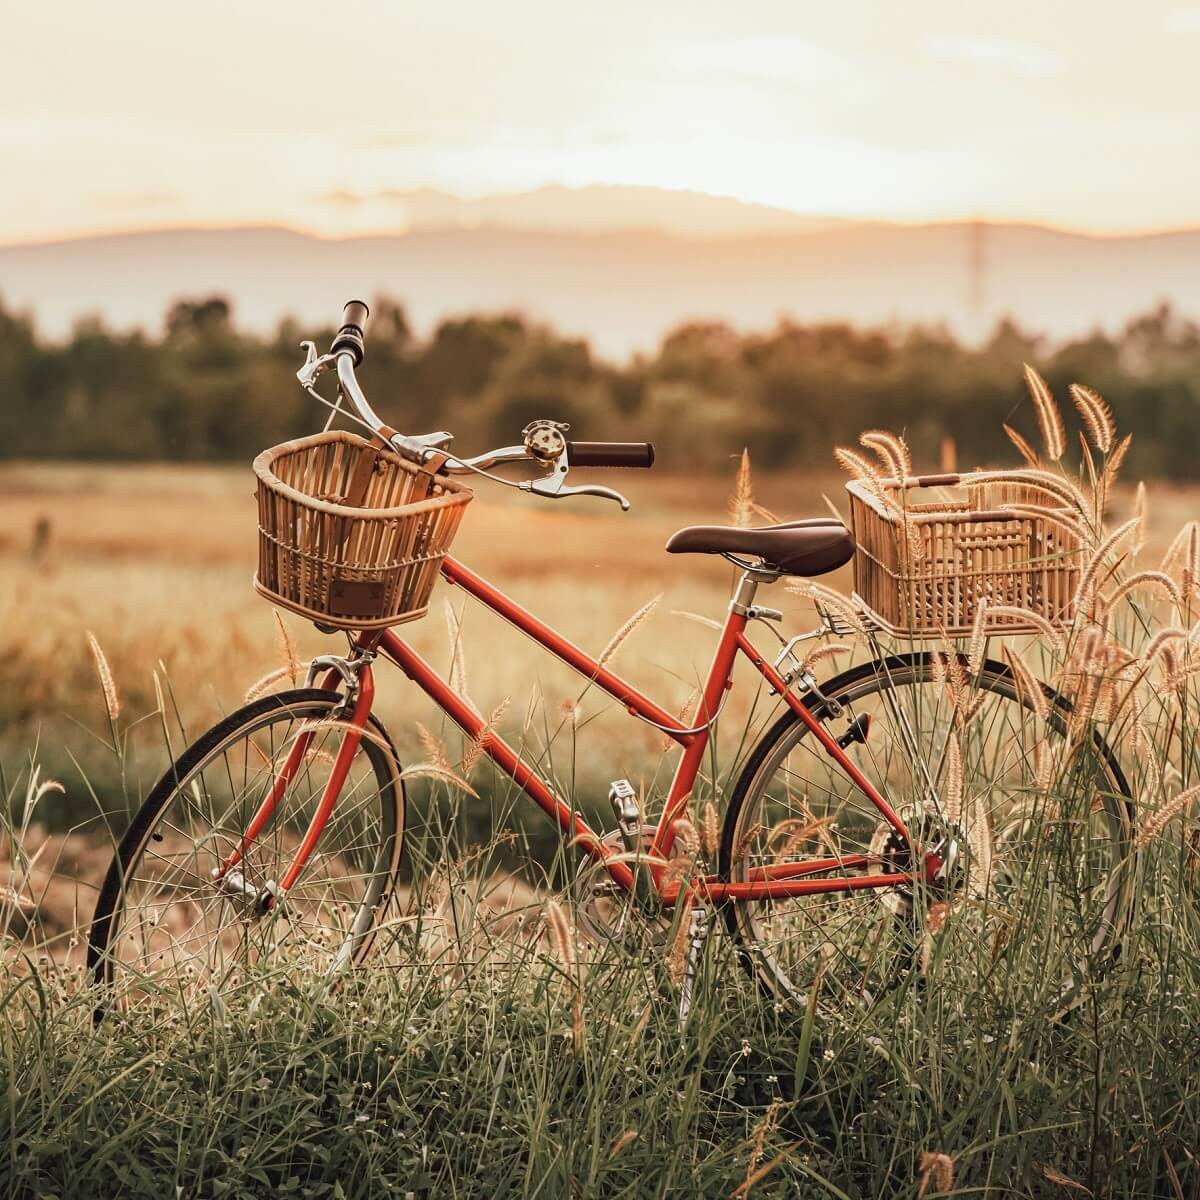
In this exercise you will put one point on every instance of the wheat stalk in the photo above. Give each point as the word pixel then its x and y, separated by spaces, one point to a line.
pixel 859 468
pixel 979 837
pixel 1114 462
pixel 628 1136
pixel 474 751
pixel 1057 1177
pixel 677 952
pixel 287 647
pixel 741 503
pixel 892 451
pixel 112 698
pixel 262 685
pixel 317 724
pixel 1054 485
pixel 939 1168
pixel 953 798
pixel 1097 416
pixel 682 715
pixel 1026 451
pixel 1098 559
pixel 792 832
pixel 1027 685
pixel 978 642
pixel 829 650
pixel 823 597
pixel 458 661
pixel 433 771
pixel 1159 579
pixel 710 830
pixel 686 834
pixel 626 630
pixel 1162 816
pixel 435 752
pixel 1160 643
pixel 558 930
pixel 1190 575
pixel 1050 422
pixel 1025 615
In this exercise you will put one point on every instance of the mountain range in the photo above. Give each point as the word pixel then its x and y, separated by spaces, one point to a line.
pixel 612 265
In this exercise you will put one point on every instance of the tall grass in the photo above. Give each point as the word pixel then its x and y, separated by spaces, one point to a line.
pixel 488 1050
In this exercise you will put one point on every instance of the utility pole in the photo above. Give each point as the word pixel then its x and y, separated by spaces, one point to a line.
pixel 977 231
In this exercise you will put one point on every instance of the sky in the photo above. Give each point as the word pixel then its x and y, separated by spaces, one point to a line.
pixel 127 115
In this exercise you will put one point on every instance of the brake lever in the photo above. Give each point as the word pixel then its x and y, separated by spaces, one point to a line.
pixel 554 486
pixel 314 364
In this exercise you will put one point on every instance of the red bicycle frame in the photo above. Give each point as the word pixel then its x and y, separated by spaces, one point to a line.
pixel 776 881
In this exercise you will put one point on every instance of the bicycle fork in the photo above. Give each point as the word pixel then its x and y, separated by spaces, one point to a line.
pixel 231 880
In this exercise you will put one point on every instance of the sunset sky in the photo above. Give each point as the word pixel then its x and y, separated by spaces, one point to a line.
pixel 128 115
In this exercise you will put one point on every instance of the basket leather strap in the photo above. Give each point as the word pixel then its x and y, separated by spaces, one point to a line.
pixel 430 467
pixel 360 477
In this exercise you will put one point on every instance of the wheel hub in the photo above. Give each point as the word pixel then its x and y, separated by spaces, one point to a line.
pixel 931 834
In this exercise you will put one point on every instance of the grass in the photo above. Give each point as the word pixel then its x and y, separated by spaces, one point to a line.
pixel 482 1057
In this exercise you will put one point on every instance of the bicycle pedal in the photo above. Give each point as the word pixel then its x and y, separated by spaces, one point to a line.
pixel 860 729
pixel 628 812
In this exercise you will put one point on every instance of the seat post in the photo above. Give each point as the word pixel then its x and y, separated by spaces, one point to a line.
pixel 747 588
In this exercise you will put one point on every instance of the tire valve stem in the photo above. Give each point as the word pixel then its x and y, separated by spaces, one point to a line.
pixel 858 732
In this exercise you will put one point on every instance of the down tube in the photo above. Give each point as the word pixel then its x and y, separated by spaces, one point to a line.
pixel 497 749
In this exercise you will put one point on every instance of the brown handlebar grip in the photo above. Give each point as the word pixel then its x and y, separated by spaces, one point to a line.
pixel 610 454
pixel 351 335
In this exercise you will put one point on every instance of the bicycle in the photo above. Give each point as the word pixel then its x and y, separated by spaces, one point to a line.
pixel 276 837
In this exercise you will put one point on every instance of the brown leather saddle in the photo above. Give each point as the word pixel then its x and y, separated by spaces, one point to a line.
pixel 805 548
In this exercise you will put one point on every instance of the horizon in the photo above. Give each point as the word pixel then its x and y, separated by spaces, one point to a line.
pixel 822 223
pixel 1055 120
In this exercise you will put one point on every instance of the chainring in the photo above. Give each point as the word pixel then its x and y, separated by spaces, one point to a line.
pixel 606 913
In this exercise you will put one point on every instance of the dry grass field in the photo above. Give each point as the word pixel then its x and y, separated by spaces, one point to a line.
pixel 156 562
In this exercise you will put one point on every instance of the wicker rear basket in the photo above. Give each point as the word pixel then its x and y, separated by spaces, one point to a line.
pixel 351 535
pixel 921 568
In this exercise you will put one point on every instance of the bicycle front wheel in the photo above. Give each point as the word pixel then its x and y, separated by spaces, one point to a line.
pixel 1039 815
pixel 164 925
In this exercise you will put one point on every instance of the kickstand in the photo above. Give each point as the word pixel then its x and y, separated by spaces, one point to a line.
pixel 697 936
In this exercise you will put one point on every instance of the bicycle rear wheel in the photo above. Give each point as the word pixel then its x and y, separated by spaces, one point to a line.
pixel 163 925
pixel 1043 822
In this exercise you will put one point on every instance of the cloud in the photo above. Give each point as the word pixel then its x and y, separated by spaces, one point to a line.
pixel 124 201
pixel 340 198
pixel 785 58
pixel 1184 20
pixel 1023 58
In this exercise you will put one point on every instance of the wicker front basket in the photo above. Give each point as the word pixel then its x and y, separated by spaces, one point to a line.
pixel 921 568
pixel 350 535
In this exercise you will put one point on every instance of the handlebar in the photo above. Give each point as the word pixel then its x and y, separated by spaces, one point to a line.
pixel 610 454
pixel 544 443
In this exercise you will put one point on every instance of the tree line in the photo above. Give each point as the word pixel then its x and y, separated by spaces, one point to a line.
pixel 203 389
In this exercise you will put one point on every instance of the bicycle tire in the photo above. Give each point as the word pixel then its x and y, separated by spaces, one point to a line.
pixel 297 704
pixel 854 685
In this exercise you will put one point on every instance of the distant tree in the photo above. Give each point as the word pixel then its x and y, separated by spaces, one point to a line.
pixel 206 390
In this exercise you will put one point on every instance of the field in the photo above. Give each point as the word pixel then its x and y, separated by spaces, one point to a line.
pixel 518 1068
